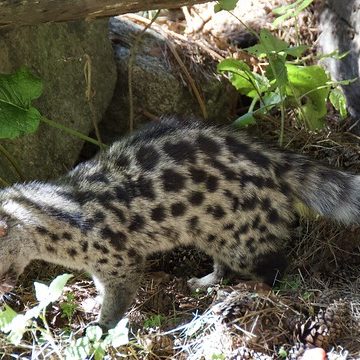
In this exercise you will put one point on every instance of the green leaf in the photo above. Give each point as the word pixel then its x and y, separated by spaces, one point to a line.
pixel 244 120
pixel 57 286
pixel 277 70
pixel 233 65
pixel 309 84
pixel 94 333
pixel 17 91
pixel 6 317
pixel 120 334
pixel 268 44
pixel 338 100
pixel 41 292
pixel 225 5
pixel 18 327
pixel 296 51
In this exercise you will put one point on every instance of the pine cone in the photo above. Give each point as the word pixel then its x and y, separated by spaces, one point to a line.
pixel 323 328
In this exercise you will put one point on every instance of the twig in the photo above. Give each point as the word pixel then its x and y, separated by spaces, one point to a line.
pixel 12 161
pixel 89 94
pixel 130 69
pixel 70 131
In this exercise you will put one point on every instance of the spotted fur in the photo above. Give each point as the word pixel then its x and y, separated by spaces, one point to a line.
pixel 169 185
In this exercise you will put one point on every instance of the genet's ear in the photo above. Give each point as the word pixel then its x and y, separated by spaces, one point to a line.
pixel 3 228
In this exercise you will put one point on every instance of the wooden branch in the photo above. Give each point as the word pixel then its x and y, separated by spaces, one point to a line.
pixel 31 12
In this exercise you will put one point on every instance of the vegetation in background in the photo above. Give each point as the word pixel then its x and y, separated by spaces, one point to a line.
pixel 285 82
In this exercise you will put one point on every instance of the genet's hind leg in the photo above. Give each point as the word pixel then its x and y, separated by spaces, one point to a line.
pixel 220 270
pixel 270 266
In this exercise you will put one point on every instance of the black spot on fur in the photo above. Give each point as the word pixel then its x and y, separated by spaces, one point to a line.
pixel 114 273
pixel 116 211
pixel 143 187
pixel 178 209
pixel 84 246
pixel 180 151
pixel 250 244
pixel 117 238
pixel 136 223
pixel 132 253
pixel 103 261
pixel 212 183
pixel 249 203
pixel 222 243
pixel 83 197
pixel 72 252
pixel 265 204
pixel 98 177
pixel 238 148
pixel 122 161
pixel 197 175
pixel 256 222
pixel 122 195
pixel 224 170
pixel 208 146
pixel 229 226
pixel 173 181
pixel 54 237
pixel 105 197
pixel 217 211
pixel 193 224
pixel 147 157
pixel 50 249
pixel 196 198
pixel 41 230
pixel 273 216
pixel 67 236
pixel 211 238
pixel 158 214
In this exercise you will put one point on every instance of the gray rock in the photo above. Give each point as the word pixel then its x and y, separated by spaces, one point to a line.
pixel 159 85
pixel 57 54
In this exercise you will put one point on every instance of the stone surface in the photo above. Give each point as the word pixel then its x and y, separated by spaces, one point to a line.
pixel 159 85
pixel 57 54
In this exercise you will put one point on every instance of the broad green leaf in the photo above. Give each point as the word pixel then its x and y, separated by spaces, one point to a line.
pixel 6 317
pixel 99 353
pixel 271 99
pixel 309 85
pixel 268 44
pixel 225 5
pixel 18 327
pixel 296 51
pixel 233 65
pixel 244 120
pixel 120 334
pixel 57 286
pixel 94 333
pixel 338 100
pixel 334 55
pixel 41 292
pixel 17 91
pixel 78 351
pixel 277 70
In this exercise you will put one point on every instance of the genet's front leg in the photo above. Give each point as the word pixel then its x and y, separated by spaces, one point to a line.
pixel 118 293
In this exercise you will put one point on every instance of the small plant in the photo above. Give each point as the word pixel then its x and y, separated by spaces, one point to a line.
pixel 69 307
pixel 154 321
pixel 285 82
pixel 15 325
pixel 94 344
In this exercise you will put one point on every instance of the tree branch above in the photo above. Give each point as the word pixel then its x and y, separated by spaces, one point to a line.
pixel 31 12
